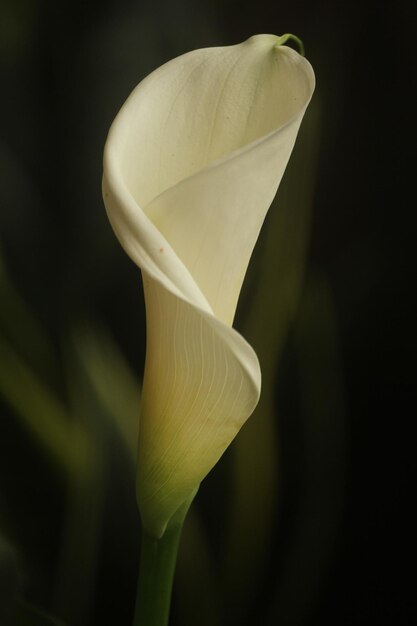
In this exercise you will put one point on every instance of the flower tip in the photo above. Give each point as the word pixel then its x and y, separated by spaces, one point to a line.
pixel 276 41
pixel 290 37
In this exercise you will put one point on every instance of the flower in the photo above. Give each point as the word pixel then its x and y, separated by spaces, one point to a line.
pixel 191 165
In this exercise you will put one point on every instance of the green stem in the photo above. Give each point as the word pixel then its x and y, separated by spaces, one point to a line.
pixel 156 571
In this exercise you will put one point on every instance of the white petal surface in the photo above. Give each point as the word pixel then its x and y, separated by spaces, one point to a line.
pixel 192 163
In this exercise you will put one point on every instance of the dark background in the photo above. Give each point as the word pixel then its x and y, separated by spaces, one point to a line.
pixel 65 69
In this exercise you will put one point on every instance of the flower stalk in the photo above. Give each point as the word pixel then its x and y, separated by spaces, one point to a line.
pixel 156 571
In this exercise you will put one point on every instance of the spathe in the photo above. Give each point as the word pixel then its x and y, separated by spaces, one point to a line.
pixel 192 163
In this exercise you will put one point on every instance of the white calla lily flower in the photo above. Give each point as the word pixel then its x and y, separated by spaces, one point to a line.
pixel 191 165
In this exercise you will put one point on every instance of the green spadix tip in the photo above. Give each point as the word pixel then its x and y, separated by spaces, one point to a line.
pixel 289 37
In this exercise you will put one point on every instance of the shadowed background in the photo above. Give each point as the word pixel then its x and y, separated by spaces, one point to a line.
pixel 307 518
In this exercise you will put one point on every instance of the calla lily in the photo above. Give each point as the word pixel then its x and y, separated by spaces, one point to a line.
pixel 191 165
